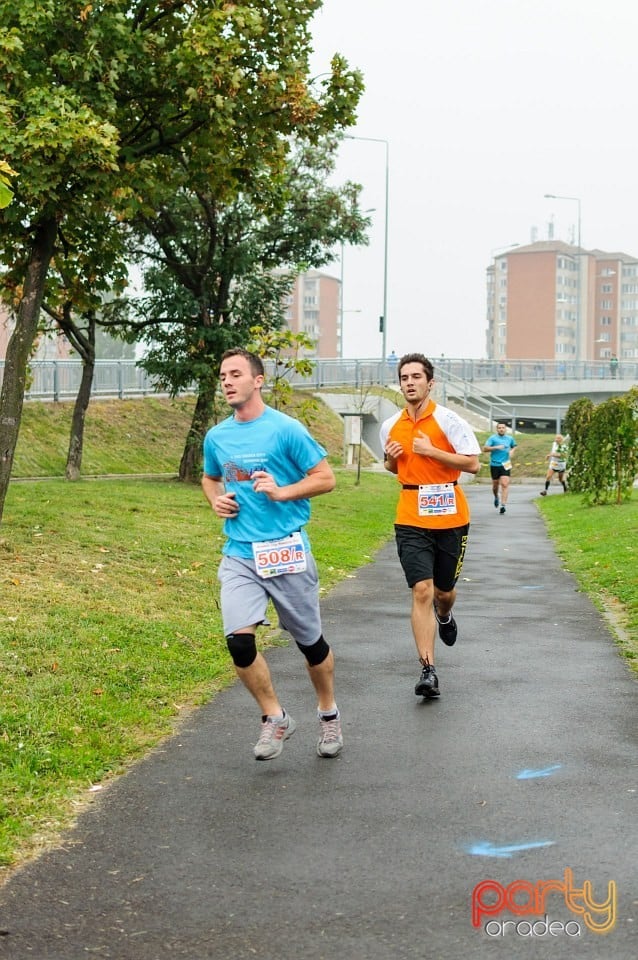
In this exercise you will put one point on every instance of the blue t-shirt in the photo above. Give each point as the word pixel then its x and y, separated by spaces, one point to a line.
pixel 499 457
pixel 275 442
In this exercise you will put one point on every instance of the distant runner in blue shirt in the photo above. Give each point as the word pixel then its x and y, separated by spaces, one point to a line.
pixel 500 447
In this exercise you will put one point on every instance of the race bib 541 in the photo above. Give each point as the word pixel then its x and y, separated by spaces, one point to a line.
pixel 436 499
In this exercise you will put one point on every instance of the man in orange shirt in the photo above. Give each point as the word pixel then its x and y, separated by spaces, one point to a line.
pixel 428 446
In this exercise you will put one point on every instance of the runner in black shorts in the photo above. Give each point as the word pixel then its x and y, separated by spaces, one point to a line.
pixel 427 446
pixel 500 447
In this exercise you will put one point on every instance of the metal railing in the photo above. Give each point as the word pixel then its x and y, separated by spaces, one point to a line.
pixel 492 408
pixel 458 379
pixel 60 379
pixel 509 371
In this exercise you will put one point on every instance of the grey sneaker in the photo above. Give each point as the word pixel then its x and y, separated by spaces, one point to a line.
pixel 273 734
pixel 330 742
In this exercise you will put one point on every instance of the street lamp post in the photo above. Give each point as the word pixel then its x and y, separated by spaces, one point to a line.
pixel 341 297
pixel 341 303
pixel 384 318
pixel 579 331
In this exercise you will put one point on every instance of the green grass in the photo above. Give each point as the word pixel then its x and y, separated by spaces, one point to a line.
pixel 110 627
pixel 598 545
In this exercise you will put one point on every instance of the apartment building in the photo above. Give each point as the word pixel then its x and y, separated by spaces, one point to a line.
pixel 46 346
pixel 313 308
pixel 5 331
pixel 551 300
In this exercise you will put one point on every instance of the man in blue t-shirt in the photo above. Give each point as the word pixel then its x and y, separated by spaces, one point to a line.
pixel 260 469
pixel 500 447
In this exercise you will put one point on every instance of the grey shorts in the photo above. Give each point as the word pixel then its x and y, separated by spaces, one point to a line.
pixel 295 597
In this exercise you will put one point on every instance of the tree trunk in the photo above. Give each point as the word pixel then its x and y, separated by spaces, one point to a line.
pixel 84 343
pixel 19 349
pixel 76 441
pixel 190 464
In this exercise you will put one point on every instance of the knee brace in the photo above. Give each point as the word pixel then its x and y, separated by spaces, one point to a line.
pixel 242 648
pixel 316 653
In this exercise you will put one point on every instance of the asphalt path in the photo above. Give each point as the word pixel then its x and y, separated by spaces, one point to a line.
pixel 523 772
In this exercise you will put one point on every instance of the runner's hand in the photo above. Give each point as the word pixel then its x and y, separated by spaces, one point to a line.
pixel 265 483
pixel 422 445
pixel 393 449
pixel 225 506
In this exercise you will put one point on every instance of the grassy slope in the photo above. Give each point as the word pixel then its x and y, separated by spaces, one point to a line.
pixel 127 436
pixel 148 436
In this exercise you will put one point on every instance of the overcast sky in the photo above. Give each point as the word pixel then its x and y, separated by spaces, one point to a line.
pixel 486 105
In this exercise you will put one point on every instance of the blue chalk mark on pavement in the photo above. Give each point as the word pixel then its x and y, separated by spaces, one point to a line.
pixel 543 772
pixel 486 849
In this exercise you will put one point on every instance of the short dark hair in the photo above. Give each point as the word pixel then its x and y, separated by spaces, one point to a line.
pixel 256 364
pixel 416 358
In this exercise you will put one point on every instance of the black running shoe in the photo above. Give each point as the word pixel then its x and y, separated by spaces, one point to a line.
pixel 447 631
pixel 428 685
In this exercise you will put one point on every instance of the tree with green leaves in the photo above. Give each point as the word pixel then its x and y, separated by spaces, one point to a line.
pixel 6 193
pixel 89 266
pixel 576 423
pixel 98 101
pixel 218 269
pixel 288 352
pixel 606 448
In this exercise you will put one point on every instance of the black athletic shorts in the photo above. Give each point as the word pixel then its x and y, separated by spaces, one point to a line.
pixel 500 471
pixel 427 554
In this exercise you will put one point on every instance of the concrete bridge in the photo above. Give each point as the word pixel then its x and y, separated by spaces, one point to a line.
pixel 529 396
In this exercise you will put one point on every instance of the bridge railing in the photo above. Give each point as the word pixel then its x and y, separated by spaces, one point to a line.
pixel 493 409
pixel 508 371
pixel 60 379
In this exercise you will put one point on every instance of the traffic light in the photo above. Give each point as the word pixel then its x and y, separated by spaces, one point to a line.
pixel 381 320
